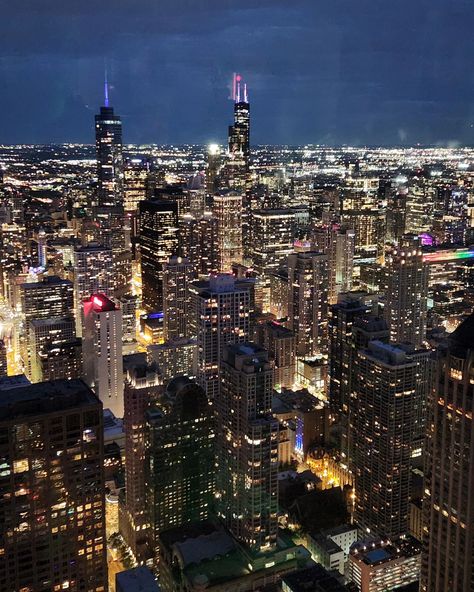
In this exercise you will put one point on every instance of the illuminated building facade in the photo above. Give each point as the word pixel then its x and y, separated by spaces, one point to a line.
pixel 92 275
pixel 227 209
pixel 362 212
pixel 338 244
pixel 177 275
pixel 141 391
pixel 176 357
pixel 308 302
pixel 102 351
pixel 247 447
pixel 384 564
pixel 406 292
pixel 179 466
pixel 222 312
pixel 280 343
pixel 52 476
pixel 386 419
pixel 44 335
pixel 272 236
pixel 157 242
pixel 238 165
pixel 448 512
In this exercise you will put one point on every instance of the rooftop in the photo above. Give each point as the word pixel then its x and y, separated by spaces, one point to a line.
pixel 45 397
pixel 313 579
pixel 138 579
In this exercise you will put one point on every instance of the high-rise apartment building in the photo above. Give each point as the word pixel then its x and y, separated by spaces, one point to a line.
pixel 179 457
pixel 247 447
pixel 337 243
pixel 157 241
pixel 43 336
pixel 448 509
pixel 406 292
pixel 222 312
pixel 308 302
pixel 141 391
pixel 61 360
pixel 93 274
pixel 52 297
pixel 361 210
pixel 3 358
pixel 102 351
pixel 177 275
pixel 52 509
pixel 227 210
pixel 280 343
pixel 386 416
pixel 272 234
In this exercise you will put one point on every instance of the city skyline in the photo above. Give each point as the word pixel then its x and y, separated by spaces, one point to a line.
pixel 336 74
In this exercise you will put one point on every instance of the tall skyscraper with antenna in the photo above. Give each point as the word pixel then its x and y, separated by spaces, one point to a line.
pixel 108 142
pixel 109 214
pixel 239 132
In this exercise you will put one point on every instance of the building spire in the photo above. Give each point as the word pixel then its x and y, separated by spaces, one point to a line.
pixel 106 89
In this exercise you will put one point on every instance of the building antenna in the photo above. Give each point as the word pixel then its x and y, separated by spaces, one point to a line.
pixel 246 96
pixel 106 89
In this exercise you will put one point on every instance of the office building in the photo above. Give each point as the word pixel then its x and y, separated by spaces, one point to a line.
pixel 448 512
pixel 389 387
pixel 247 447
pixel 177 275
pixel 157 242
pixel 238 165
pixel 308 302
pixel 179 457
pixel 102 351
pixel 108 139
pixel 222 313
pixel 385 564
pixel 406 292
pixel 53 506
pixel 227 210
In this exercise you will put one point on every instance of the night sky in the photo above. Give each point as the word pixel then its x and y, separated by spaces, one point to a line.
pixel 374 72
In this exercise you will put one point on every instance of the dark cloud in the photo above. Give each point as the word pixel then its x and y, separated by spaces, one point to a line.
pixel 340 71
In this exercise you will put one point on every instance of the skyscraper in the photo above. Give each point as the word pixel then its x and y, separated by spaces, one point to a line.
pixel 222 310
pixel 177 275
pixel 179 457
pixel 448 509
pixel 102 351
pixel 247 447
pixel 388 392
pixel 141 391
pixel 406 292
pixel 308 302
pixel 52 297
pixel 93 274
pixel 52 478
pixel 157 241
pixel 227 209
pixel 338 244
pixel 109 215
pixel 239 137
pixel 280 343
pixel 108 142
